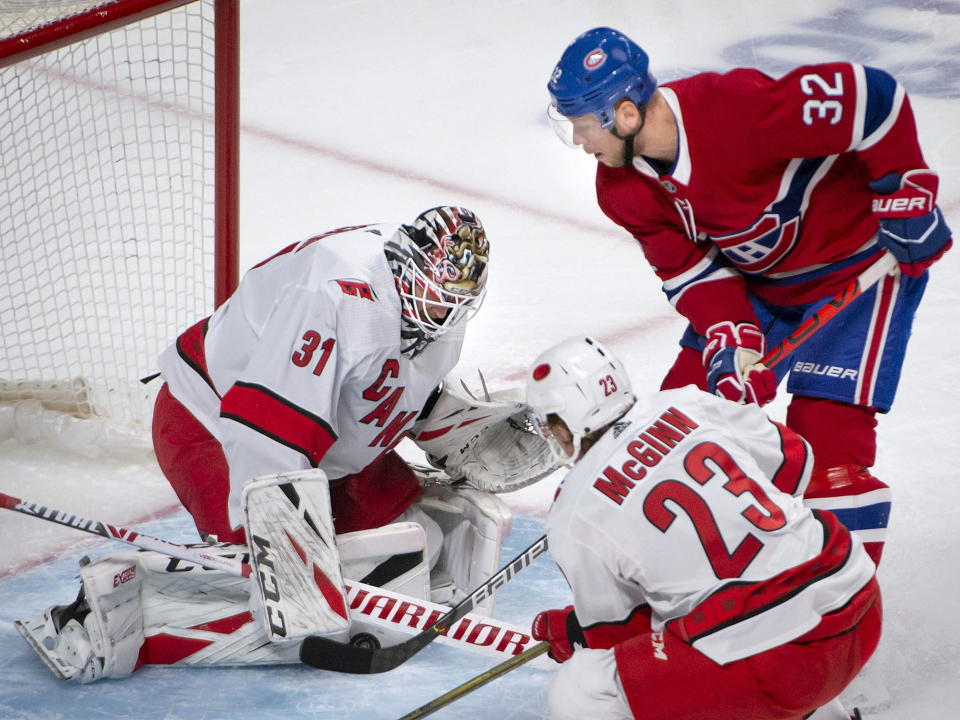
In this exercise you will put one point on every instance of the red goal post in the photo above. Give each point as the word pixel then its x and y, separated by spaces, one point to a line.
pixel 119 135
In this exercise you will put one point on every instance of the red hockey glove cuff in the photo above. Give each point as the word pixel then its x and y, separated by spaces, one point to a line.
pixel 561 629
pixel 912 227
pixel 731 358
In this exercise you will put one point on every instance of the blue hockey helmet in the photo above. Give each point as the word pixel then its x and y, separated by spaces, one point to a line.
pixel 597 70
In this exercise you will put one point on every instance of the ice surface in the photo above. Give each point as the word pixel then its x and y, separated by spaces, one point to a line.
pixel 370 111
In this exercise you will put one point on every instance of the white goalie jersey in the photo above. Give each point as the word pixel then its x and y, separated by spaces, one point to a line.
pixel 673 509
pixel 316 378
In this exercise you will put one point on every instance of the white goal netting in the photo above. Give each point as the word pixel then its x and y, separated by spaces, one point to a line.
pixel 106 205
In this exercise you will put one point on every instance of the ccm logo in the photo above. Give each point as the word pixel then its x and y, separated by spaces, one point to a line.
pixel 129 574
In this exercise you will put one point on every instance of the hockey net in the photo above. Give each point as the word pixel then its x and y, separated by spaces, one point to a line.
pixel 118 131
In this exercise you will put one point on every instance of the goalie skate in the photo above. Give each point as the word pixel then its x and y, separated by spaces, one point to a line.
pixel 58 637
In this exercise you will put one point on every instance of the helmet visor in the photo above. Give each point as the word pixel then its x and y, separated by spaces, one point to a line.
pixel 561 126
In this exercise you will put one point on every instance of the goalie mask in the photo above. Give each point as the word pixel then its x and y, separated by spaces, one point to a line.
pixel 440 265
pixel 582 383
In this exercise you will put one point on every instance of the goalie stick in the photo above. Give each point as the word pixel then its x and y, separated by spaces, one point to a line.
pixel 377 611
pixel 329 654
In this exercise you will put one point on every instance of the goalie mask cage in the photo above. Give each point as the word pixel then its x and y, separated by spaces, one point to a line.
pixel 118 193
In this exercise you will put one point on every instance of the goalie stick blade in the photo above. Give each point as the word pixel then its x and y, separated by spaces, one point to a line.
pixel 328 654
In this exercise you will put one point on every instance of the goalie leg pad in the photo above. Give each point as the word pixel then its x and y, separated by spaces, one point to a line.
pixel 297 578
pixel 100 635
pixel 474 525
pixel 198 617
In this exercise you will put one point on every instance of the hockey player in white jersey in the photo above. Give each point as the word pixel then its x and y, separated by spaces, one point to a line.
pixel 703 587
pixel 276 426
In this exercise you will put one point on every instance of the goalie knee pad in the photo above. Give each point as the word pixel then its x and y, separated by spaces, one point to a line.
pixel 393 557
pixel 101 633
pixel 474 524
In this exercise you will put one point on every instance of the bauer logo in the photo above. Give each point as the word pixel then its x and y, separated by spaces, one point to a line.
pixel 834 371
pixel 594 59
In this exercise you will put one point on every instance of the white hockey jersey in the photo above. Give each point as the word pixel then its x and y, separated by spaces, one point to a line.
pixel 302 367
pixel 690 504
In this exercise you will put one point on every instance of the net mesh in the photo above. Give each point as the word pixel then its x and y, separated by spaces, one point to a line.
pixel 106 206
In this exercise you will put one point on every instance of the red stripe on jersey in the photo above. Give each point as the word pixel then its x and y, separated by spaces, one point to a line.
pixel 226 625
pixel 876 338
pixel 739 601
pixel 191 349
pixel 604 636
pixel 789 475
pixel 276 417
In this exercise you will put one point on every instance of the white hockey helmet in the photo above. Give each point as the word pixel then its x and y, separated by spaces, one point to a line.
pixel 581 382
pixel 440 263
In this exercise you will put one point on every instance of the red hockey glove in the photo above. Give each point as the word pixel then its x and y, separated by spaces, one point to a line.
pixel 731 358
pixel 561 629
pixel 912 227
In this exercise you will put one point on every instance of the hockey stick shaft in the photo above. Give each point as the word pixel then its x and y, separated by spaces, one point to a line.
pixel 234 566
pixel 479 681
pixel 886 265
pixel 328 654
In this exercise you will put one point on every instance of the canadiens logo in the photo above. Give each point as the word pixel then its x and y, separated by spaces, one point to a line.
pixel 594 59
pixel 762 245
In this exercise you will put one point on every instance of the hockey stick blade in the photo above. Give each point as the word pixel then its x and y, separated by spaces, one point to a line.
pixel 329 654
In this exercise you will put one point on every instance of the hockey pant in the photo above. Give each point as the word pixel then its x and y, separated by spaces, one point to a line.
pixel 844 442
pixel 648 677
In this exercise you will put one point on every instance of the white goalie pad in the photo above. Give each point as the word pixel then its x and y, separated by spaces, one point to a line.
pixel 296 564
pixel 493 443
pixel 393 557
pixel 100 635
pixel 474 525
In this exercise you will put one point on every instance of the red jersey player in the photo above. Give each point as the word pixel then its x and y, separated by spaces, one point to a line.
pixel 755 200
pixel 701 583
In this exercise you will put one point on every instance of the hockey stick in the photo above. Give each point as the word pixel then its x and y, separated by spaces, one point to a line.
pixel 329 654
pixel 887 264
pixel 234 566
pixel 377 612
pixel 477 682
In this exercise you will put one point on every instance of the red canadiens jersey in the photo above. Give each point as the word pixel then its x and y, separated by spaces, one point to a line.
pixel 769 191
pixel 691 505
pixel 302 366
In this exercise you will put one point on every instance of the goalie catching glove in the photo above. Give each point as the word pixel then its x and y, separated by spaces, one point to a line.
pixel 492 444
